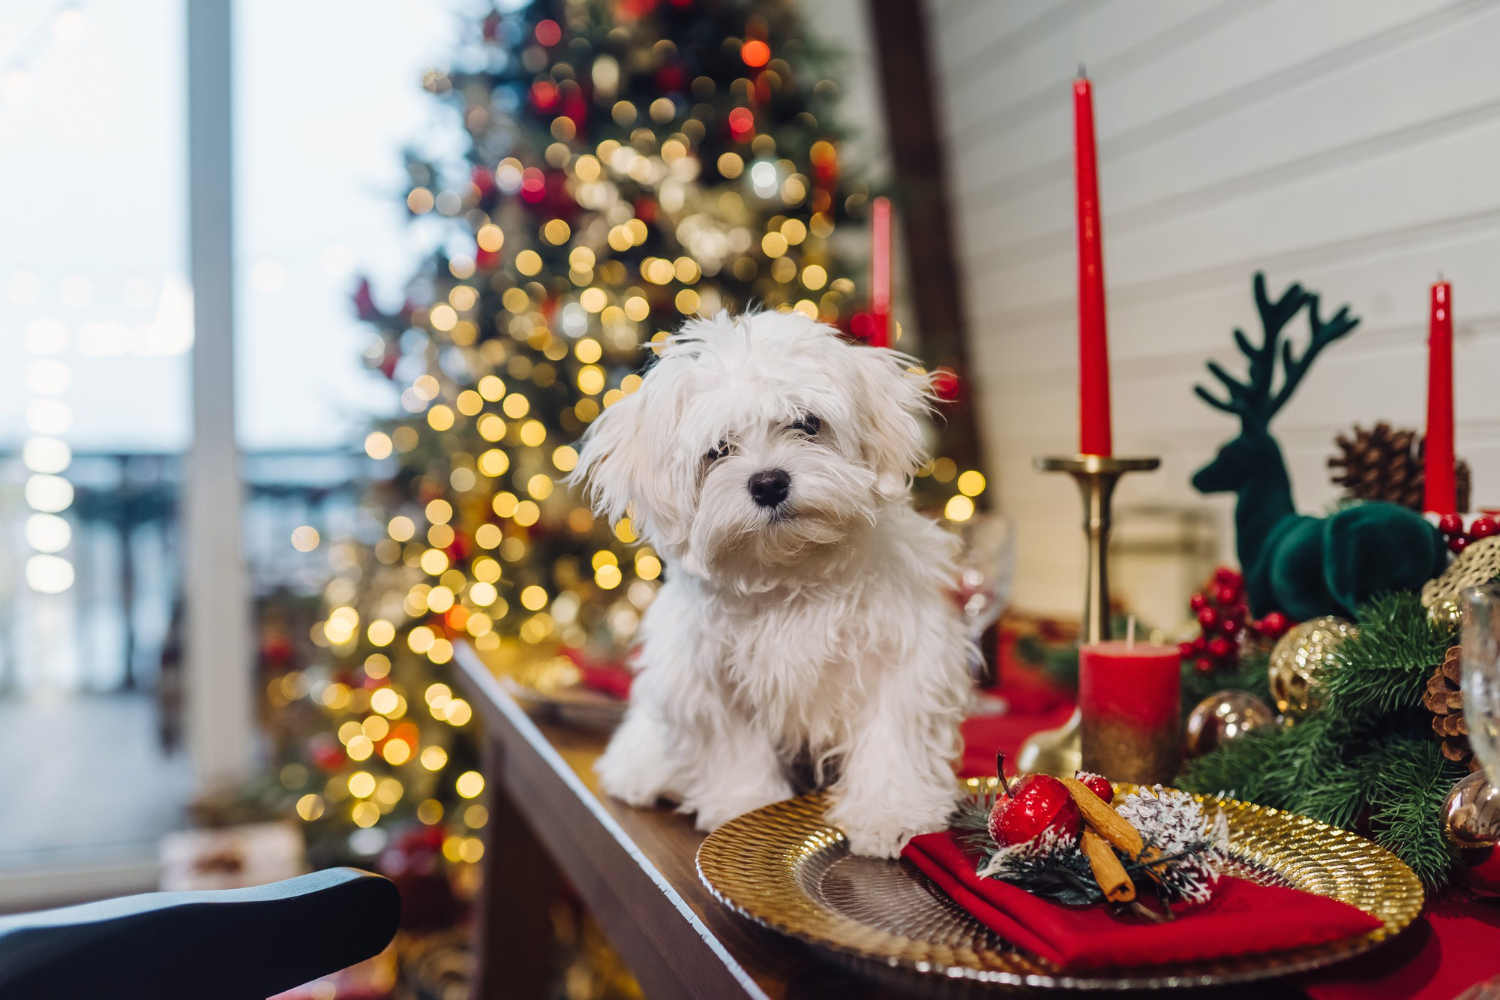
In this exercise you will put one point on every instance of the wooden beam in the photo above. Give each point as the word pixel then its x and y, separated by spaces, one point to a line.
pixel 925 209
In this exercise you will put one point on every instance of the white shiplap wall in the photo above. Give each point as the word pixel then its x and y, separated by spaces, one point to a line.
pixel 1353 145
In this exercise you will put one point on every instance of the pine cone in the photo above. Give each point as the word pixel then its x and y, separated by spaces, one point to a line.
pixel 1385 464
pixel 1444 699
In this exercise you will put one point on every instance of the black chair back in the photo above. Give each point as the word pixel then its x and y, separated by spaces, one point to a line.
pixel 239 944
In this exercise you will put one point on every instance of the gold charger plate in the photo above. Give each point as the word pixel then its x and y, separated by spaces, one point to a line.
pixel 785 867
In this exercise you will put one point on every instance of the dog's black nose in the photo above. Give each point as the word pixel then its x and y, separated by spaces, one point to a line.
pixel 769 488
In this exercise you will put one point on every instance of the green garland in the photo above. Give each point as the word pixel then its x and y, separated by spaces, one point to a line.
pixel 1367 758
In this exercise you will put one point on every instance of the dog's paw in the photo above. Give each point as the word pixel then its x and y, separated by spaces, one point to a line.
pixel 714 811
pixel 633 767
pixel 882 834
pixel 879 841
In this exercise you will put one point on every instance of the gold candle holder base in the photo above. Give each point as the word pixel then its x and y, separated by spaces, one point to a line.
pixel 1057 751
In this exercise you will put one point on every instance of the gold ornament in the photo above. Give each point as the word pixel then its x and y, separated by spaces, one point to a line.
pixel 1477 564
pixel 1299 661
pixel 1224 716
pixel 1446 612
pixel 1471 814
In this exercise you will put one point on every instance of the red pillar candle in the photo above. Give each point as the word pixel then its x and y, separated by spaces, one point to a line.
pixel 1130 700
pixel 1440 493
pixel 1094 434
pixel 880 272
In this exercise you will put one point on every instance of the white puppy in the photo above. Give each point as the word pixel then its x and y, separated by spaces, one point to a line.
pixel 804 615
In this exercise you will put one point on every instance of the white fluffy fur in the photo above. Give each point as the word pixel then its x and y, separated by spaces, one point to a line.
pixel 820 629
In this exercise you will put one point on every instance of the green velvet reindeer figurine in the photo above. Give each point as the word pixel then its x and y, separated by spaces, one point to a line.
pixel 1299 565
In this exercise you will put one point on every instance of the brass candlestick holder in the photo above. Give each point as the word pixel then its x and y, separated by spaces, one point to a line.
pixel 1056 751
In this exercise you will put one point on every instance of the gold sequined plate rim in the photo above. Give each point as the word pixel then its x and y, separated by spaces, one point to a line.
pixel 787 868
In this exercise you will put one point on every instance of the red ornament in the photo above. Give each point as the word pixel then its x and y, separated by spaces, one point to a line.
pixel 1097 783
pixel 1483 527
pixel 326 753
pixel 1030 806
pixel 1274 624
pixel 1451 524
pixel 1458 543
pixel 945 383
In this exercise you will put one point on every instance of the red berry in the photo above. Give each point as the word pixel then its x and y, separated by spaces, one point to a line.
pixel 1226 596
pixel 1200 644
pixel 1220 648
pixel 1457 544
pixel 1203 665
pixel 1198 602
pixel 1451 524
pixel 1097 783
pixel 1226 577
pixel 1274 624
pixel 1208 618
pixel 1483 527
pixel 1186 650
pixel 1230 624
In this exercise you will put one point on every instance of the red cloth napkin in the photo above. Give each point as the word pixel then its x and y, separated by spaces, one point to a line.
pixel 1243 917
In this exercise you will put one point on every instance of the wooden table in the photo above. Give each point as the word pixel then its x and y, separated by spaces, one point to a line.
pixel 635 870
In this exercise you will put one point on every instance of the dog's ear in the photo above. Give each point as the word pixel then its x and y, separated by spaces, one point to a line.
pixel 614 468
pixel 891 399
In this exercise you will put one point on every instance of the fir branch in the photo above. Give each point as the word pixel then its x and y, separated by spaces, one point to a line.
pixel 1406 806
pixel 1250 675
pixel 1383 669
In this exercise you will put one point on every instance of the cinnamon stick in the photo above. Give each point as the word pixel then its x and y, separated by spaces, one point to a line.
pixel 1102 817
pixel 1108 871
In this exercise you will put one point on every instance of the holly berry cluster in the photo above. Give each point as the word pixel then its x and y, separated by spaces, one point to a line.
pixel 1224 618
pixel 1451 526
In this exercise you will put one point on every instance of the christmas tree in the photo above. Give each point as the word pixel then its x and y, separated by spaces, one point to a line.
pixel 629 165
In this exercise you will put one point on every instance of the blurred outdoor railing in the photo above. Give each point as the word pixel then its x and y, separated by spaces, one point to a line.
pixel 108 631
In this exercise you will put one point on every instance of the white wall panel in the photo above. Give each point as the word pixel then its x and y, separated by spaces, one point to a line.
pixel 1353 145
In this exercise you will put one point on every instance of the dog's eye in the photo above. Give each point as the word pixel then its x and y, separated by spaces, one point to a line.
pixel 809 425
pixel 717 452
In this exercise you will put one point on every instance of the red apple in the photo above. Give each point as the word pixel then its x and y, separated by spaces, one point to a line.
pixel 1031 805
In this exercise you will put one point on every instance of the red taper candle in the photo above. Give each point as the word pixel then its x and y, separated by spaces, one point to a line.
pixel 880 272
pixel 1440 494
pixel 1094 434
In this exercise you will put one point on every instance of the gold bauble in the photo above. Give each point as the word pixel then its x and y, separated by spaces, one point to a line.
pixel 1471 814
pixel 1299 660
pixel 1446 612
pixel 1224 716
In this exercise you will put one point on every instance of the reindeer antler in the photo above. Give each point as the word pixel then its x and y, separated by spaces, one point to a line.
pixel 1252 400
pixel 1323 334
